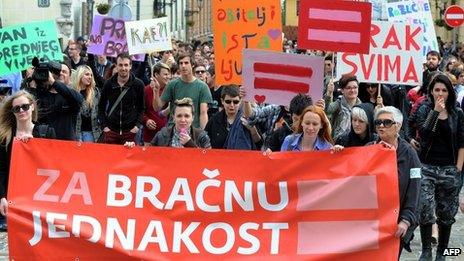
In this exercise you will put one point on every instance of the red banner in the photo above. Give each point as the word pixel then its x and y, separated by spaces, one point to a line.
pixel 91 202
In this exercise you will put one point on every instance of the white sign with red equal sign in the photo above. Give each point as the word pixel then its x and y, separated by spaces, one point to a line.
pixel 274 77
pixel 340 26
pixel 454 16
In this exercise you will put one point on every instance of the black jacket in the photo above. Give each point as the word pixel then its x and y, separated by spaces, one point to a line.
pixel 217 130
pixel 43 131
pixel 199 138
pixel 60 109
pixel 408 164
pixel 427 119
pixel 129 112
pixel 351 139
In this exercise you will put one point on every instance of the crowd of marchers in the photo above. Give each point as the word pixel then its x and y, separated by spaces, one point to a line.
pixel 171 99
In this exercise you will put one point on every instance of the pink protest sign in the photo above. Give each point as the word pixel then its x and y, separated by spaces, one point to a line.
pixel 108 37
pixel 274 77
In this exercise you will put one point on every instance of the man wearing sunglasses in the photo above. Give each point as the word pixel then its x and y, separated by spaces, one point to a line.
pixel 227 128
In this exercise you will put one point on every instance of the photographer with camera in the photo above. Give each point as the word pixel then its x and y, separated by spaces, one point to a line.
pixel 59 104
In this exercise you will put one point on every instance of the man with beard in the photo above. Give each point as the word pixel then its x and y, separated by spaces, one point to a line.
pixel 121 105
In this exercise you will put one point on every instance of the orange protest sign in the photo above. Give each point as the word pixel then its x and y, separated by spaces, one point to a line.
pixel 94 202
pixel 242 25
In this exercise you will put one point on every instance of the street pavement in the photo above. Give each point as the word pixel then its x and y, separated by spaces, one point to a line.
pixel 457 240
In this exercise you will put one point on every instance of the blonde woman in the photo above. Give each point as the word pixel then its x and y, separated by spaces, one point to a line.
pixel 18 114
pixel 87 127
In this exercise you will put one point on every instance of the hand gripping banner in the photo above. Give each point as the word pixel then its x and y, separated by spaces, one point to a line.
pixel 92 202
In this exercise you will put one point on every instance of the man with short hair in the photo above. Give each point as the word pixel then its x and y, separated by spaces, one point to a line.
pixel 187 86
pixel 74 52
pixel 154 120
pixel 121 123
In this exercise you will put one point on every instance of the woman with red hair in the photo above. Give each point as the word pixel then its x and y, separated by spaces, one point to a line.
pixel 312 132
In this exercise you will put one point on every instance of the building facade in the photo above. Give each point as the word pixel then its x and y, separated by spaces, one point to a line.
pixel 189 19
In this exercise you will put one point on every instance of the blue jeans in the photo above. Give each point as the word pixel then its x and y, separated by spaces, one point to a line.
pixel 87 136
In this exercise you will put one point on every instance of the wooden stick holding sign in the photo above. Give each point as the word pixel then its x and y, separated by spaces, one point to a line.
pixel 379 103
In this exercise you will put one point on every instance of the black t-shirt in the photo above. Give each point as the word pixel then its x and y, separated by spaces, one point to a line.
pixel 440 153
pixel 86 124
pixel 216 104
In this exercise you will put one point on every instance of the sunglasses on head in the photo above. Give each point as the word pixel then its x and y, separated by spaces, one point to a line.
pixel 17 108
pixel 231 101
pixel 387 123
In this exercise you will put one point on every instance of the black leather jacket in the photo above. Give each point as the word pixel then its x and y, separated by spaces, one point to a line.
pixel 427 119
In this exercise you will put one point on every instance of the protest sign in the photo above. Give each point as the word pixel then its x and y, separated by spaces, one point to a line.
pixel 108 37
pixel 379 11
pixel 148 36
pixel 340 26
pixel 416 12
pixel 20 43
pixel 395 56
pixel 273 77
pixel 145 204
pixel 241 25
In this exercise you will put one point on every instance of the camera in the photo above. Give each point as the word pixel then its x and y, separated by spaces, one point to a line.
pixel 42 69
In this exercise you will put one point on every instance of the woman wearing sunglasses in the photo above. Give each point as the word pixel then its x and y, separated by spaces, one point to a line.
pixel 227 128
pixel 17 116
pixel 441 133
pixel 388 121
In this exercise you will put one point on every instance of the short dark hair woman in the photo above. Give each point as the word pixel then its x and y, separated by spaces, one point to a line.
pixel 182 134
pixel 362 127
pixel 441 131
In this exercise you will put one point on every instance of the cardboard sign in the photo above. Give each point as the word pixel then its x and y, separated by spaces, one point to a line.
pixel 20 43
pixel 276 78
pixel 108 37
pixel 241 25
pixel 146 204
pixel 340 26
pixel 416 12
pixel 148 36
pixel 379 10
pixel 395 56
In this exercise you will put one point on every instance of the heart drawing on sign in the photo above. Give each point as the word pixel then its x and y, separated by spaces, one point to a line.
pixel 274 33
pixel 260 98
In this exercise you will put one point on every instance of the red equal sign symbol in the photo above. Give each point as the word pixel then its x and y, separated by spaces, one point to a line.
pixel 283 71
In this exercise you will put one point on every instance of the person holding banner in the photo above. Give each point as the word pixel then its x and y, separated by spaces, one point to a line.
pixel 312 132
pixel 18 116
pixel 440 124
pixel 182 134
pixel 388 122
